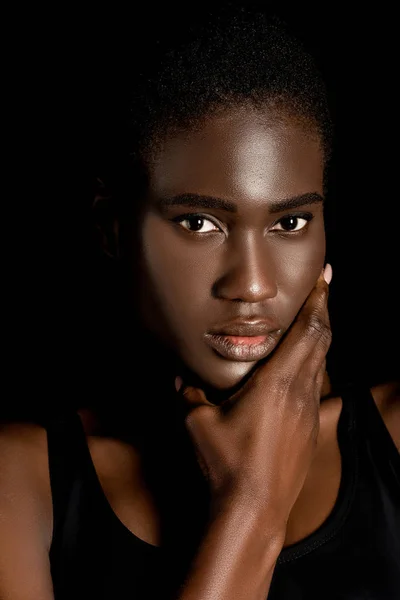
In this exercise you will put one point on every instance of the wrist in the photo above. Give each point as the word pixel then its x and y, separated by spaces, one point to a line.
pixel 252 519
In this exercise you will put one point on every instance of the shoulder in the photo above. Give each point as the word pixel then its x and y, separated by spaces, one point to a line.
pixel 25 493
pixel 25 513
pixel 21 444
pixel 17 434
pixel 387 400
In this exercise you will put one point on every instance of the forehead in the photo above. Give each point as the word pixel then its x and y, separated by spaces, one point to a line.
pixel 240 154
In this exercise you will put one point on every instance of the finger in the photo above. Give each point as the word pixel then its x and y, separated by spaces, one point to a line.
pixel 199 416
pixel 197 413
pixel 190 397
pixel 194 397
pixel 319 382
pixel 308 336
pixel 317 357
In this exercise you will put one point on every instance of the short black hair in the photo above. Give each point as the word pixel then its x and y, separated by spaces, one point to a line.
pixel 234 55
pixel 181 72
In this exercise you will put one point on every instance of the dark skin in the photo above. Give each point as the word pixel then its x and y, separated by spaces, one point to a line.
pixel 246 266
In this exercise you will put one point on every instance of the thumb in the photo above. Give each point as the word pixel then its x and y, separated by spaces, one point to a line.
pixel 199 418
pixel 192 396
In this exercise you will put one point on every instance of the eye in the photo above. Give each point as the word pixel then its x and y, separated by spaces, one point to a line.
pixel 197 224
pixel 292 223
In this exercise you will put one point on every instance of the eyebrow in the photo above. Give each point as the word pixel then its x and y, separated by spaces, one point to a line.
pixel 199 201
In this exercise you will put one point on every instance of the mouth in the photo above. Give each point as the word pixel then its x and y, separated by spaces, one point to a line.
pixel 242 348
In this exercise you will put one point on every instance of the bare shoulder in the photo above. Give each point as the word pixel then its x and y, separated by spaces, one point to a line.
pixel 25 513
pixel 22 442
pixel 24 474
pixel 387 400
pixel 13 435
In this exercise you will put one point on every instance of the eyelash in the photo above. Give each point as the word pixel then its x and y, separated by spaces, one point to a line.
pixel 305 216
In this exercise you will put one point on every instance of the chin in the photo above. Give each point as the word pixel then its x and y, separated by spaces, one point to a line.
pixel 220 380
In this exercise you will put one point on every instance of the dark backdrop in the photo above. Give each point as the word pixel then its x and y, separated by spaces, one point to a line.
pixel 76 74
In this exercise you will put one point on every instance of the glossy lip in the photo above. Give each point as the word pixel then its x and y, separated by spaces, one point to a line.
pixel 241 352
pixel 225 340
pixel 243 328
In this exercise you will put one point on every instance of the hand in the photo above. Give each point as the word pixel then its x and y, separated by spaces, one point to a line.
pixel 258 445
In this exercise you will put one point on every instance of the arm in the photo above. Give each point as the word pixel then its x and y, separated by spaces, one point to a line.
pixel 255 451
pixel 235 560
pixel 25 514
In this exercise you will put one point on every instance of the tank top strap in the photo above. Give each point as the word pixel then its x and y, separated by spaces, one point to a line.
pixel 67 449
pixel 373 436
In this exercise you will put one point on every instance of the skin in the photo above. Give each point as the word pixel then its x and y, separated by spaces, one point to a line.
pixel 246 269
pixel 246 266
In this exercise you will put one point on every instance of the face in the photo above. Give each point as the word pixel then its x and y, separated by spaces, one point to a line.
pixel 232 240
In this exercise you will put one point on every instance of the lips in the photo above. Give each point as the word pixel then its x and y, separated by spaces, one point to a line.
pixel 245 328
pixel 244 341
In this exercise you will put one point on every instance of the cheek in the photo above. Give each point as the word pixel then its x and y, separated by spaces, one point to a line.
pixel 298 267
pixel 180 277
pixel 180 274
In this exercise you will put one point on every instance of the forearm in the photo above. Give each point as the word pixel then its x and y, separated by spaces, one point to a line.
pixel 235 560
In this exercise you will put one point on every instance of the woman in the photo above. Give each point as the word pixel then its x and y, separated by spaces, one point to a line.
pixel 231 469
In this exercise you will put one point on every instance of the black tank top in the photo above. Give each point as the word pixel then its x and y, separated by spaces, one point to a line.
pixel 354 555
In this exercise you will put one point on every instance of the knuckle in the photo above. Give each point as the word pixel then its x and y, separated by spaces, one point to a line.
pixel 324 292
pixel 197 416
pixel 318 329
pixel 326 336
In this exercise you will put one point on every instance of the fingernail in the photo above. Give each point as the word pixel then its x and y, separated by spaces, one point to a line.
pixel 328 273
pixel 178 383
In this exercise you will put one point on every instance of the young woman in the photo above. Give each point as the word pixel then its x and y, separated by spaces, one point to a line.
pixel 221 465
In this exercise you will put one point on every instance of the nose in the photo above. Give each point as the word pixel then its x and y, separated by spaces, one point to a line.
pixel 250 275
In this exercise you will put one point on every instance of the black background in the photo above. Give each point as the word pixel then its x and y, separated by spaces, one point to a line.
pixel 69 77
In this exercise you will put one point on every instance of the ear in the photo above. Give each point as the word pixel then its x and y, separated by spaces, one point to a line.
pixel 104 213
